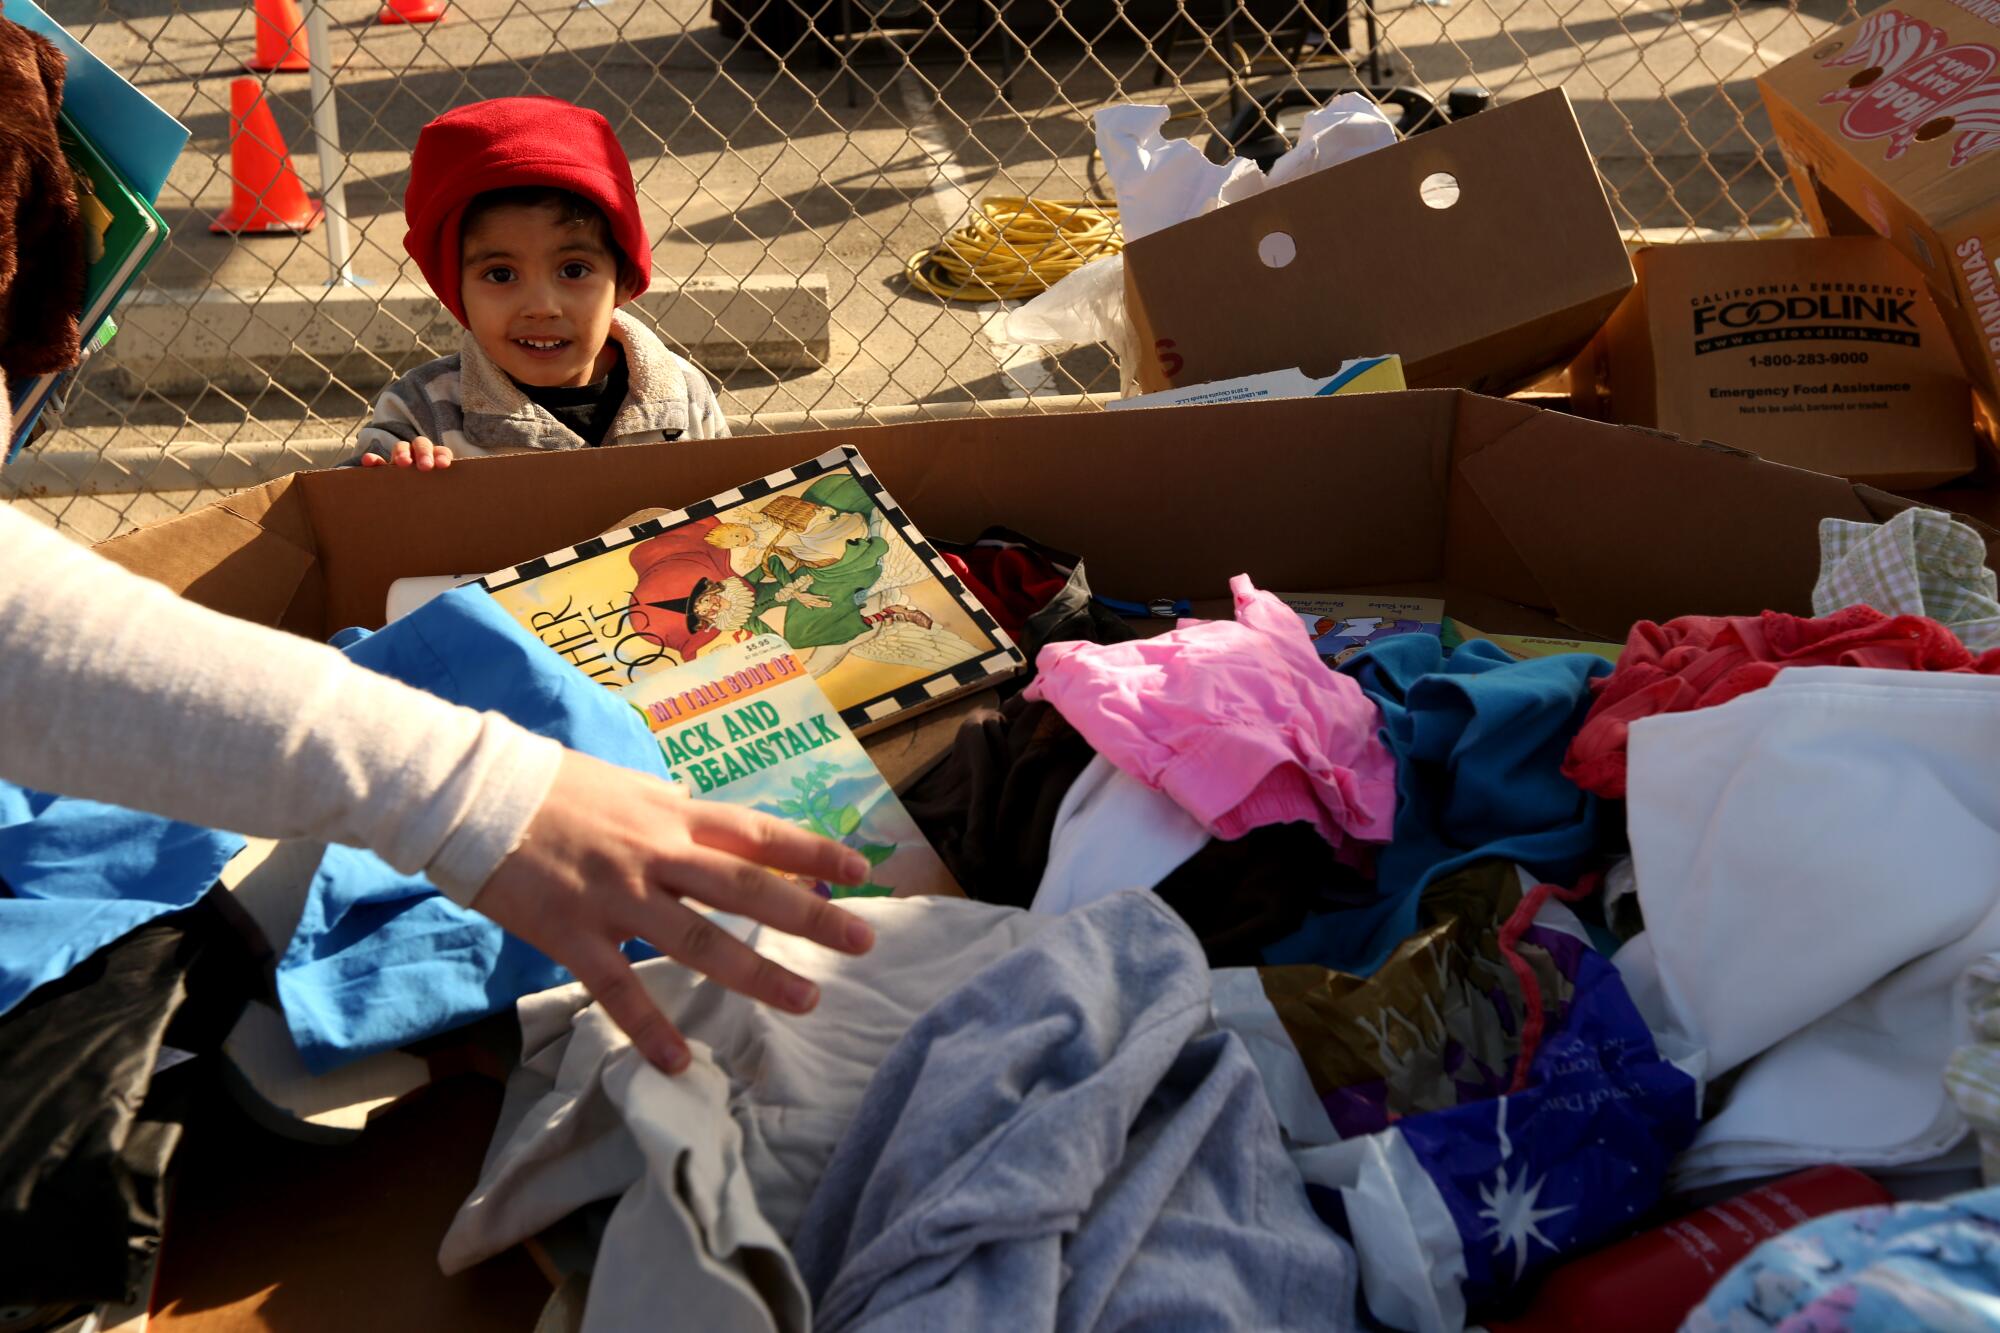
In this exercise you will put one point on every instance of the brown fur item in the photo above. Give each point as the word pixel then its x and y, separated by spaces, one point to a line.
pixel 41 236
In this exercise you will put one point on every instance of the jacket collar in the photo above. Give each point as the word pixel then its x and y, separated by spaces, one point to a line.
pixel 498 415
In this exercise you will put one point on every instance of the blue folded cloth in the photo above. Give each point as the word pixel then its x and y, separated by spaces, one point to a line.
pixel 78 875
pixel 380 958
pixel 1479 741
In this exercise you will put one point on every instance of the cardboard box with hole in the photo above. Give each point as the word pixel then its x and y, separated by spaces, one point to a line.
pixel 1892 126
pixel 1825 353
pixel 1482 254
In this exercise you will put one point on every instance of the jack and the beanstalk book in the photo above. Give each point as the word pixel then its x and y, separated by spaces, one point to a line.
pixel 747 723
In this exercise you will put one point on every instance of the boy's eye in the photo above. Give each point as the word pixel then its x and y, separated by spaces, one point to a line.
pixel 575 270
pixel 498 273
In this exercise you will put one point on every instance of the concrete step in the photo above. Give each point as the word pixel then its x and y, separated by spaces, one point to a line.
pixel 181 342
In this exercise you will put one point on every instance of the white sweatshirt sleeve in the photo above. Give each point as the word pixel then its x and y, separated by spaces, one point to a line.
pixel 114 689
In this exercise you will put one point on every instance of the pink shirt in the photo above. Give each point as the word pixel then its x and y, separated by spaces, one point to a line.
pixel 1239 721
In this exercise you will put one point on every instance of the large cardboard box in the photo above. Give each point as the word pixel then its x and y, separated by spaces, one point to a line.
pixel 1823 352
pixel 1524 520
pixel 1482 253
pixel 1891 126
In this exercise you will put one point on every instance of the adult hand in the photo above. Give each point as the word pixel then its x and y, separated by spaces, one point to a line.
pixel 610 856
pixel 420 454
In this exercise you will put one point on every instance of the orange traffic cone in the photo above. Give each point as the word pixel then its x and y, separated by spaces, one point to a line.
pixel 269 197
pixel 281 37
pixel 411 11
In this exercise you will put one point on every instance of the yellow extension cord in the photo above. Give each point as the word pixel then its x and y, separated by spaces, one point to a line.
pixel 1020 247
pixel 1016 248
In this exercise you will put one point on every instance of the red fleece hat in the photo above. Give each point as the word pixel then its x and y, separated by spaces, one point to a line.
pixel 507 142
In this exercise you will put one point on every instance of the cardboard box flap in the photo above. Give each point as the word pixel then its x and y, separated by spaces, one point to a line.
pixel 1162 502
pixel 1394 251
pixel 250 556
pixel 1478 550
pixel 1906 88
pixel 1887 127
pixel 1622 526
pixel 1525 513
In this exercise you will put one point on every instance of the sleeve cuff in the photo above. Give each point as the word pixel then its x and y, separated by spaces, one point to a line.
pixel 520 767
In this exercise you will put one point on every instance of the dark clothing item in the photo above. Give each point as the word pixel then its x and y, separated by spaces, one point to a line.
pixel 41 238
pixel 989 807
pixel 589 410
pixel 1241 897
pixel 86 1130
pixel 1068 1142
pixel 1071 616
pixel 1009 581
pixel 1038 594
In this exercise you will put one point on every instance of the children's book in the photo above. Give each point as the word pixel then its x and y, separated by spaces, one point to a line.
pixel 122 233
pixel 1520 647
pixel 1342 626
pixel 818 555
pixel 747 724
pixel 1367 374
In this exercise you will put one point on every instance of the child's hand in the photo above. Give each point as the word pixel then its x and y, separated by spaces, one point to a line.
pixel 420 454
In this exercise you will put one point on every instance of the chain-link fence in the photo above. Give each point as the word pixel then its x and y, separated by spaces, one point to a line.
pixel 791 157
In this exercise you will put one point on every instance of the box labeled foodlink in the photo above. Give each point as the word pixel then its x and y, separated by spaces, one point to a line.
pixel 1823 352
pixel 1892 125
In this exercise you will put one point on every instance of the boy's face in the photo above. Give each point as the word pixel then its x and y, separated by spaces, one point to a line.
pixel 539 295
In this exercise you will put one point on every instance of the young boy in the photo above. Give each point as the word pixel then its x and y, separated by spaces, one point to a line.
pixel 524 220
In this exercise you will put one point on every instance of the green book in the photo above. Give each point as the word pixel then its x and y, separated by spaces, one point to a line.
pixel 1521 647
pixel 748 724
pixel 122 232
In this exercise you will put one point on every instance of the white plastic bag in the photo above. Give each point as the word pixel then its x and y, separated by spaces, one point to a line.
pixel 1159 182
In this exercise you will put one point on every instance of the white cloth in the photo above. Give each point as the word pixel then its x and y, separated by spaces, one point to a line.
pixel 1816 863
pixel 114 689
pixel 1160 181
pixel 714 1167
pixel 1112 832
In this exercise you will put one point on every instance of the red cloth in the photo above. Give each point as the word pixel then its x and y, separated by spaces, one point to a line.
pixel 506 142
pixel 673 568
pixel 1012 582
pixel 1701 661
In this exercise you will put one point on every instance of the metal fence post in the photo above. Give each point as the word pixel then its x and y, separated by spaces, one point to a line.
pixel 326 139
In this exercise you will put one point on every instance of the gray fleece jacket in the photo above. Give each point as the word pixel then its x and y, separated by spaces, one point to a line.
pixel 468 404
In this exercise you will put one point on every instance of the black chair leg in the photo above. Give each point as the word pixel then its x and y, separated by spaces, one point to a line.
pixel 996 27
pixel 1236 76
pixel 1163 65
pixel 847 53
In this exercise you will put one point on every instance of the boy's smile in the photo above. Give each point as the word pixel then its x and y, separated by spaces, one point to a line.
pixel 539 293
